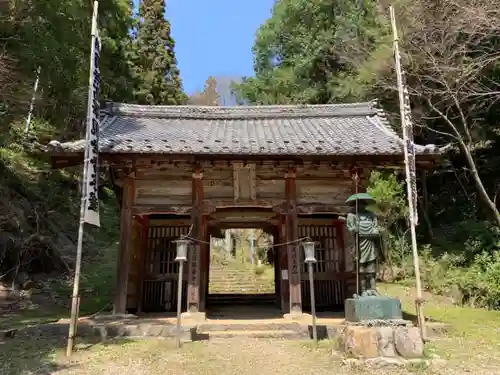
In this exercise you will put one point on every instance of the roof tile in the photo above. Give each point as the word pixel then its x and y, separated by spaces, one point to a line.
pixel 337 129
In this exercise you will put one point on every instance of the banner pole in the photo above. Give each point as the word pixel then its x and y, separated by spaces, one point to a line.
pixel 409 176
pixel 79 249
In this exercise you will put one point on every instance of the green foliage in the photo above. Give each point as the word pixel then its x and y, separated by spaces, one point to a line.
pixel 389 193
pixel 152 57
pixel 391 209
pixel 259 270
pixel 306 46
pixel 476 285
pixel 55 35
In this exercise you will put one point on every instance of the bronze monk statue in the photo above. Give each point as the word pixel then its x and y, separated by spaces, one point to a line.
pixel 364 225
pixel 369 305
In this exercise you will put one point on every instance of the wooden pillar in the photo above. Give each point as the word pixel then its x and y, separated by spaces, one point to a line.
pixel 125 248
pixel 339 235
pixel 193 295
pixel 294 247
pixel 205 248
pixel 142 260
pixel 276 266
pixel 282 260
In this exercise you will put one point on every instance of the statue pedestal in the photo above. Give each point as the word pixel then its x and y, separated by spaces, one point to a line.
pixel 375 329
pixel 372 308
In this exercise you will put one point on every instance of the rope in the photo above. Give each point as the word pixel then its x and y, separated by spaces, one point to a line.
pixel 186 237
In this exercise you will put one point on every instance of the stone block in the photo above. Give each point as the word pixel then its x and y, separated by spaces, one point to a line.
pixel 385 336
pixel 194 316
pixel 381 362
pixel 6 293
pixel 408 342
pixel 360 342
pixel 113 317
pixel 371 308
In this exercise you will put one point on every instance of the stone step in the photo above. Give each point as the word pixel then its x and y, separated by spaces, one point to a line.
pixel 214 326
pixel 286 330
pixel 240 282
pixel 231 277
pixel 262 334
pixel 234 274
pixel 112 329
pixel 245 291
pixel 242 285
pixel 242 291
pixel 250 297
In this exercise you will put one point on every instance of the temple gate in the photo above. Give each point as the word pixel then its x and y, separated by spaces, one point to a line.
pixel 196 171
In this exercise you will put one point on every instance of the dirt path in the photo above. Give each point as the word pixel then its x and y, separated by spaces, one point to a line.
pixel 237 356
pixel 471 347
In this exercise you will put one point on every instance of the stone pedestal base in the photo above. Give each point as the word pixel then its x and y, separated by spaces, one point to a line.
pixel 371 308
pixel 112 317
pixel 360 341
pixel 194 316
pixel 295 316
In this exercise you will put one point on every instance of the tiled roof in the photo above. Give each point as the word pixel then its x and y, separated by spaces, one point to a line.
pixel 323 130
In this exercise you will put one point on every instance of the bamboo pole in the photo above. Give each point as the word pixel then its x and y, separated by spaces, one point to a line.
pixel 409 176
pixel 76 282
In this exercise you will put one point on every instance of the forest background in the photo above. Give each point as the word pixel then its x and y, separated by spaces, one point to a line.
pixel 306 52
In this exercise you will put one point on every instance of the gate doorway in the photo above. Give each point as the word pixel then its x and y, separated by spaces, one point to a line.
pixel 228 276
pixel 242 271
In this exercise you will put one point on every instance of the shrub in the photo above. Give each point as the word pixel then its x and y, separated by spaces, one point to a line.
pixel 477 285
pixel 259 270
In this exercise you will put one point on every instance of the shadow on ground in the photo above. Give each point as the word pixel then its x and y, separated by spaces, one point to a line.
pixel 38 350
pixel 243 312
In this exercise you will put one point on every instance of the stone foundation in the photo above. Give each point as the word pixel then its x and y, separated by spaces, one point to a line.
pixel 375 339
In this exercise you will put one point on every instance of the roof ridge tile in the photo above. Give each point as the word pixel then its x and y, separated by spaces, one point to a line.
pixel 234 112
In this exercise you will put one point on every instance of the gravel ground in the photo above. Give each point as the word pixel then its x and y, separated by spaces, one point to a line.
pixel 218 357
pixel 239 356
pixel 471 347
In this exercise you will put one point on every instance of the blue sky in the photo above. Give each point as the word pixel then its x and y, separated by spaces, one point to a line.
pixel 215 37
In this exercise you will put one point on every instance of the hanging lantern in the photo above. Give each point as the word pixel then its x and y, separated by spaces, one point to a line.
pixel 182 249
pixel 309 251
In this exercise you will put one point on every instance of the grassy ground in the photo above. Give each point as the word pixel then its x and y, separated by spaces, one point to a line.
pixel 470 348
pixel 475 335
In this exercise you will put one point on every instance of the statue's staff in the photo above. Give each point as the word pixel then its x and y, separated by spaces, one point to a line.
pixel 356 236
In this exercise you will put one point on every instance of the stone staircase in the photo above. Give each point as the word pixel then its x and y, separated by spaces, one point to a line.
pixel 231 277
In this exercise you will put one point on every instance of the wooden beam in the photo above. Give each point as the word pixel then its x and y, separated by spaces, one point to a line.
pixel 161 209
pixel 293 247
pixel 125 248
pixel 193 297
pixel 64 159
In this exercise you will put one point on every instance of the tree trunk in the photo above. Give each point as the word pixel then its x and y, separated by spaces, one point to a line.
pixel 483 194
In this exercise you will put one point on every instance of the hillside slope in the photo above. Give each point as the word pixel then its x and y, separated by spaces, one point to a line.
pixel 39 210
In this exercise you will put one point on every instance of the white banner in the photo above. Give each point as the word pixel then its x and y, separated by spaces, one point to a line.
pixel 91 214
pixel 410 147
pixel 409 150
